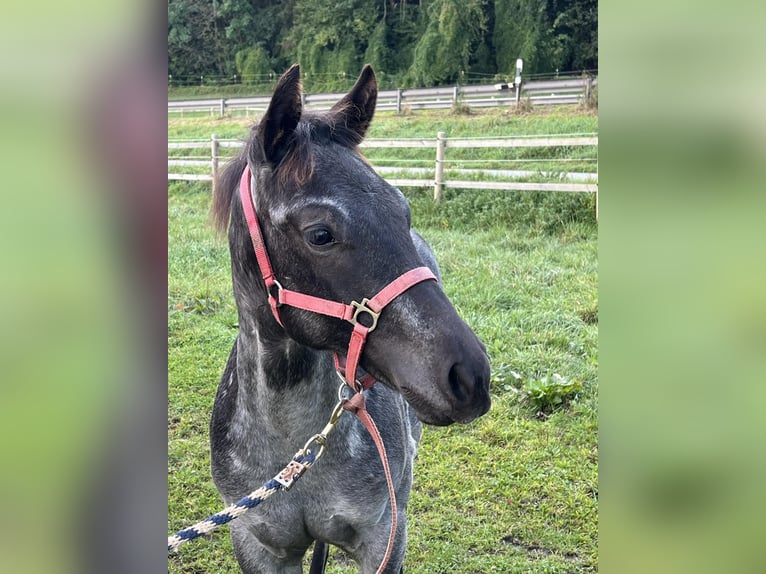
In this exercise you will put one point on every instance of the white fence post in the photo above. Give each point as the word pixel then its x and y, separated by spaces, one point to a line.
pixel 398 101
pixel 441 141
pixel 223 106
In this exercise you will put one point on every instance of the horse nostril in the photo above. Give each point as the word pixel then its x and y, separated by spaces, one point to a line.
pixel 461 382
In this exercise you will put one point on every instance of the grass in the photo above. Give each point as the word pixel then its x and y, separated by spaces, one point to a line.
pixel 513 491
pixel 482 122
pixel 221 91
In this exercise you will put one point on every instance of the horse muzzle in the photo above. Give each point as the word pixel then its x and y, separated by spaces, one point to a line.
pixel 440 368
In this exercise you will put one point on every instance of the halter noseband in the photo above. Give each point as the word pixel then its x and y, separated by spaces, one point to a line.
pixel 348 312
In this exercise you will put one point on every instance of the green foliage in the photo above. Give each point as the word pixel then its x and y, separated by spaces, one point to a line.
pixel 328 38
pixel 444 51
pixel 574 26
pixel 240 21
pixel 413 42
pixel 253 65
pixel 194 47
pixel 378 53
pixel 549 393
pixel 522 31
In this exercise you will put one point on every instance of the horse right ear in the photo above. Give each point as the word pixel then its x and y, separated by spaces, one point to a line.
pixel 355 110
pixel 278 124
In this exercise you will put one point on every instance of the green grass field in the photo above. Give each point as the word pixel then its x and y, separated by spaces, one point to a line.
pixel 516 490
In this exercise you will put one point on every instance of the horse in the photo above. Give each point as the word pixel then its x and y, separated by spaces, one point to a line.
pixel 331 229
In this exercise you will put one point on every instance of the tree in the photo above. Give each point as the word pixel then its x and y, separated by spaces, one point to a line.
pixel 410 42
pixel 574 26
pixel 522 31
pixel 454 28
pixel 253 65
pixel 194 45
pixel 548 34
pixel 329 38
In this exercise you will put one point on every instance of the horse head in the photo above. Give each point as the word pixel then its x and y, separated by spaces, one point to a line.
pixel 336 230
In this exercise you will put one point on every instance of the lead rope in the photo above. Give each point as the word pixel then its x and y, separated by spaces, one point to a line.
pixel 301 462
pixel 356 405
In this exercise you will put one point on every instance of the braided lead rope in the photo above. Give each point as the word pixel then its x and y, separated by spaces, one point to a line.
pixel 301 462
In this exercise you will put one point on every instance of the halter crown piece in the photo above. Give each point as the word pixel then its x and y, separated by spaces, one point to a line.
pixel 352 312
pixel 346 367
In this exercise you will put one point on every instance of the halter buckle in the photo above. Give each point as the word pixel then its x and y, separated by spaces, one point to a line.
pixel 363 307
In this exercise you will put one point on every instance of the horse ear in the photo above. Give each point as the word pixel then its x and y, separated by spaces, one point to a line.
pixel 284 113
pixel 356 109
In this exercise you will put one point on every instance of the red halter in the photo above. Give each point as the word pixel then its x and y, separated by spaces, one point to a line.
pixel 347 312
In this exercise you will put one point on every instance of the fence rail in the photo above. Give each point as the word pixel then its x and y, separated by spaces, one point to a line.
pixel 567 182
pixel 547 92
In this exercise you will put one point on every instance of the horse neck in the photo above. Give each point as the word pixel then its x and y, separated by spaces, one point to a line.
pixel 285 388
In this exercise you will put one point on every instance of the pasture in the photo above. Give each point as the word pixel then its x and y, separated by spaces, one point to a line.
pixel 517 489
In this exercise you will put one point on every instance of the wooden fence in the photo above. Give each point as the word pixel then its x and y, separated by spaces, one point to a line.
pixel 568 91
pixel 565 182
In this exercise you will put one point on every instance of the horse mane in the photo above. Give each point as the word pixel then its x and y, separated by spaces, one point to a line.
pixel 295 169
pixel 224 188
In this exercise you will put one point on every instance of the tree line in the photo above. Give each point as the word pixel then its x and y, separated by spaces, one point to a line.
pixel 409 43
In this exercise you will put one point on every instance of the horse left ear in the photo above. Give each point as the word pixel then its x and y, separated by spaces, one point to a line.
pixel 280 120
pixel 356 109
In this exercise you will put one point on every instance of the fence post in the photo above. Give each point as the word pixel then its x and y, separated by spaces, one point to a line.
pixel 588 89
pixel 454 97
pixel 223 106
pixel 399 101
pixel 214 157
pixel 441 143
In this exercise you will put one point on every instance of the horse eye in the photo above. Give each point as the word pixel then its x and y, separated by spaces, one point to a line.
pixel 319 236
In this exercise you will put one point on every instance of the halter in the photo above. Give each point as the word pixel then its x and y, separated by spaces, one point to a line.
pixel 279 296
pixel 346 367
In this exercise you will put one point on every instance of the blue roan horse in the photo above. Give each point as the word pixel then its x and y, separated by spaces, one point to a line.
pixel 333 229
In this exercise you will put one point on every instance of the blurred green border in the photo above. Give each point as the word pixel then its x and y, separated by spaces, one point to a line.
pixel 682 255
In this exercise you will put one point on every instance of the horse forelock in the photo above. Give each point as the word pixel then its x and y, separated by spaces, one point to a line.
pixel 297 167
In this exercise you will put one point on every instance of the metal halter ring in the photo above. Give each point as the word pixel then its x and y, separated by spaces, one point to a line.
pixel 279 287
